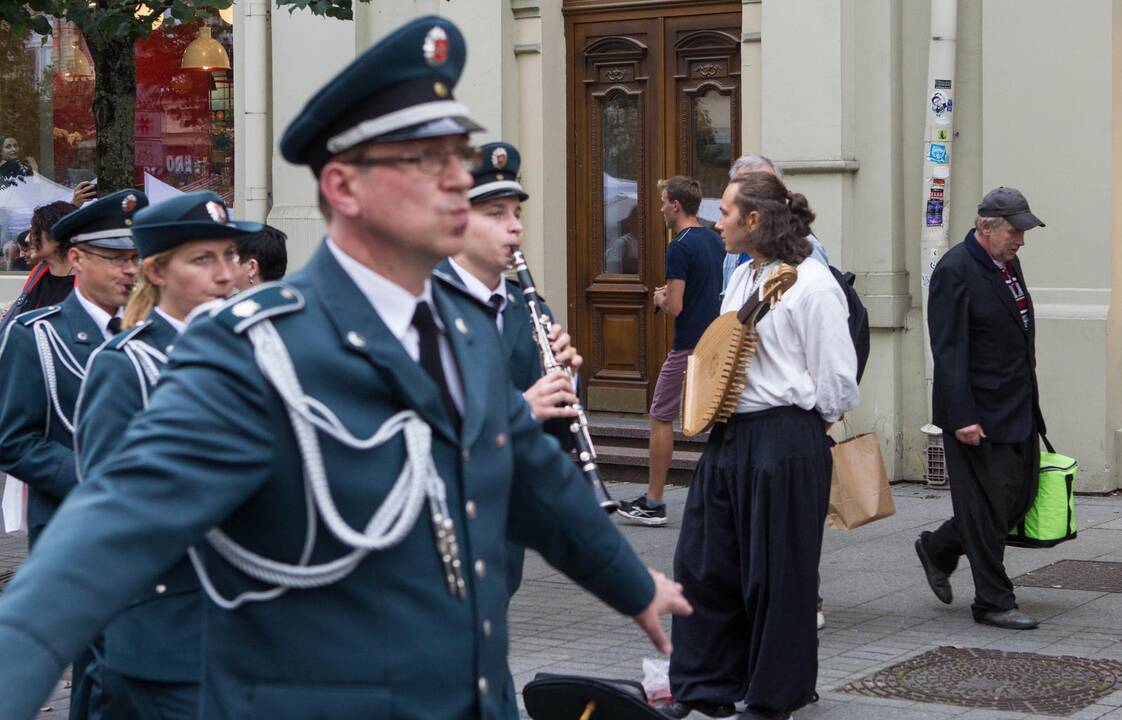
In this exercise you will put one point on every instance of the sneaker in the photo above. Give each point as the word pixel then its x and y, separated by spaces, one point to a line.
pixel 639 512
pixel 821 620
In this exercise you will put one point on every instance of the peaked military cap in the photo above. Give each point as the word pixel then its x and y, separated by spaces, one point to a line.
pixel 399 89
pixel 497 175
pixel 191 216
pixel 571 697
pixel 105 222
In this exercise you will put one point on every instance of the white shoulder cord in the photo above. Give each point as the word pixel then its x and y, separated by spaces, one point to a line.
pixel 417 482
pixel 50 345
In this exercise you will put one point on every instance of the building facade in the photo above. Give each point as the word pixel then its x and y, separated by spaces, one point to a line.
pixel 604 97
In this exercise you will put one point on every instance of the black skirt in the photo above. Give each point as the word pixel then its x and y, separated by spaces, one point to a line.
pixel 747 557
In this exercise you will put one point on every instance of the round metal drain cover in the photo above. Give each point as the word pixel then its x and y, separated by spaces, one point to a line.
pixel 1011 681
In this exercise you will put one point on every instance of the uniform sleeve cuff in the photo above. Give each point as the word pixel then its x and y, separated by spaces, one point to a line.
pixel 624 584
pixel 28 673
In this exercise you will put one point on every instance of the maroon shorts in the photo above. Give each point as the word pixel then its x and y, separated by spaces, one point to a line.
pixel 668 389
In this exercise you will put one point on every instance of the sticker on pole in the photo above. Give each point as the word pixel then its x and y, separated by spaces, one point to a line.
pixel 938 154
pixel 942 84
pixel 941 107
pixel 942 134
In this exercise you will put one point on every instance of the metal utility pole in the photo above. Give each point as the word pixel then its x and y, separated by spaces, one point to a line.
pixel 938 138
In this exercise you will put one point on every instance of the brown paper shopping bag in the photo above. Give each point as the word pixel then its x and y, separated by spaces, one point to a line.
pixel 859 493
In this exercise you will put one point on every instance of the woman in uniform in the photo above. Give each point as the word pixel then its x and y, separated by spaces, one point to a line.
pixel 155 643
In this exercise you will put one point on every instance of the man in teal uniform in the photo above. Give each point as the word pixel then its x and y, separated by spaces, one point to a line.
pixel 345 451
pixel 494 231
pixel 46 351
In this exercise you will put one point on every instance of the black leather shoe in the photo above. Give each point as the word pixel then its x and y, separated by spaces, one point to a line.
pixel 1008 620
pixel 682 709
pixel 939 581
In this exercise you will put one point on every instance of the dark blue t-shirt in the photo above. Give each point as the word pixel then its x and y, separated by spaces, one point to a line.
pixel 696 256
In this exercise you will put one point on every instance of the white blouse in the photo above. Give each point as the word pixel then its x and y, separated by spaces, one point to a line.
pixel 805 356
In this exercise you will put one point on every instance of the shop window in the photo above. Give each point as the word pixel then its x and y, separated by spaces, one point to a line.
pixel 184 124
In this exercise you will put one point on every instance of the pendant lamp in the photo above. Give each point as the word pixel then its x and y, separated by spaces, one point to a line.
pixel 205 53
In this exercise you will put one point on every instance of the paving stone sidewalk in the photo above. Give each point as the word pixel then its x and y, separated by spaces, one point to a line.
pixel 879 610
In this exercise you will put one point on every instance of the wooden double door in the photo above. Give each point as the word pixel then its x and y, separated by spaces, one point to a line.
pixel 654 91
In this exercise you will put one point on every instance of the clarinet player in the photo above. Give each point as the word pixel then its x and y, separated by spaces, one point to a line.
pixel 494 232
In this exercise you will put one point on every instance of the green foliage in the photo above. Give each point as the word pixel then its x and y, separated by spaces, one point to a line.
pixel 340 9
pixel 109 20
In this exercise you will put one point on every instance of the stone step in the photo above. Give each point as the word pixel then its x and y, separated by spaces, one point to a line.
pixel 635 433
pixel 629 464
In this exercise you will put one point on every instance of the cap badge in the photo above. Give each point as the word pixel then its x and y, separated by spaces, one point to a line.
pixel 499 176
pixel 499 158
pixel 246 308
pixel 128 205
pixel 217 212
pixel 436 47
pixel 440 89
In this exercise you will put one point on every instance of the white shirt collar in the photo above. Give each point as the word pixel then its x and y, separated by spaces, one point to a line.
pixel 178 325
pixel 476 287
pixel 394 304
pixel 100 317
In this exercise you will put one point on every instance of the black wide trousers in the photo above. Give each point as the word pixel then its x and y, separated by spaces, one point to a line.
pixel 747 557
pixel 993 485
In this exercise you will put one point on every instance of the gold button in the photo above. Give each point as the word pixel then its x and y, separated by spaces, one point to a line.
pixel 500 440
pixel 486 628
pixel 483 686
pixel 466 454
pixel 470 509
pixel 480 568
pixel 161 589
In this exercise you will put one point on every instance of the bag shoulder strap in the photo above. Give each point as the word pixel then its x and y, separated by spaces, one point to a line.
pixel 1048 445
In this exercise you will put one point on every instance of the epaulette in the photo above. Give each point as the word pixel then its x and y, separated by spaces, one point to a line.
pixel 31 316
pixel 449 283
pixel 118 341
pixel 253 306
pixel 513 292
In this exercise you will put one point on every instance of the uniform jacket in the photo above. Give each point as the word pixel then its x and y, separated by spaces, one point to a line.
pixel 158 637
pixel 35 442
pixel 521 350
pixel 985 359
pixel 215 446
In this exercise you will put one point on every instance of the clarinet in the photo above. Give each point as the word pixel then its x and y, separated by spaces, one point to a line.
pixel 579 427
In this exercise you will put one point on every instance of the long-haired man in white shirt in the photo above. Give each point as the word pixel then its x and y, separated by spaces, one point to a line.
pixel 751 534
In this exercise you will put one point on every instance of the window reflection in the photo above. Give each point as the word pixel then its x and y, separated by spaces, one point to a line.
pixel 712 149
pixel 184 124
pixel 619 138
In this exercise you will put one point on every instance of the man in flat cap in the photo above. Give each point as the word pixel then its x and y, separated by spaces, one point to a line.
pixel 44 353
pixel 344 451
pixel 985 398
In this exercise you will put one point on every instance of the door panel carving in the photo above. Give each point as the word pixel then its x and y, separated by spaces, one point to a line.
pixel 653 92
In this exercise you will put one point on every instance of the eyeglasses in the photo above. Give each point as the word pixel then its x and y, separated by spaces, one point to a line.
pixel 116 260
pixel 431 160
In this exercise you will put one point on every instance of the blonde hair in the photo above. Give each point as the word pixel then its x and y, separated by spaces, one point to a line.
pixel 145 295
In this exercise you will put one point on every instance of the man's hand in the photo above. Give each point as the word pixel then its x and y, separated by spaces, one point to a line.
pixel 563 351
pixel 86 190
pixel 970 435
pixel 552 396
pixel 668 599
pixel 659 296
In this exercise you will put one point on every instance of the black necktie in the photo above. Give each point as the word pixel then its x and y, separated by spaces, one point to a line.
pixel 114 325
pixel 430 357
pixel 496 302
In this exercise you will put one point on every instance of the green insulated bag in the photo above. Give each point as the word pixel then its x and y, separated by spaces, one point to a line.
pixel 1051 519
